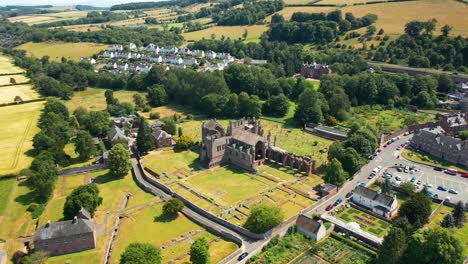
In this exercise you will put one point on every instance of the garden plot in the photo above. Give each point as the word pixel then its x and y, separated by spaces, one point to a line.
pixel 368 223
pixel 335 251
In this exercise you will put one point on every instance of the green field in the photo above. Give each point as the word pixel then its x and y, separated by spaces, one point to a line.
pixel 377 227
pixel 171 162
pixel 25 91
pixel 93 98
pixel 48 18
pixel 151 226
pixel 17 133
pixel 6 187
pixel 233 32
pixel 57 50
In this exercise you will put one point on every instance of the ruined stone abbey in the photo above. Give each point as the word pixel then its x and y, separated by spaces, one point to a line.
pixel 244 145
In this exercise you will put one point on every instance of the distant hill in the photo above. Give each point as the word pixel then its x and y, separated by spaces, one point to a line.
pixel 89 7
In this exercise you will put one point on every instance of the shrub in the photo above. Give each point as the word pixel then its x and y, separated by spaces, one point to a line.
pixel 155 115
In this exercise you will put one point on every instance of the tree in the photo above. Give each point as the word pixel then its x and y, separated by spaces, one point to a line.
pixel 172 207
pixel 141 253
pixel 335 173
pixel 404 224
pixel 445 30
pixel 156 75
pixel 18 99
pixel 463 134
pixel 157 95
pixel 351 160
pixel 410 120
pixel 110 99
pixel 199 251
pixel 86 196
pixel 98 123
pixel 407 188
pixel 459 214
pixel 263 218
pixel 417 209
pixel 393 247
pixel 276 105
pixel 143 141
pixel 184 142
pixel 84 145
pixel 169 126
pixel 386 186
pixel 139 101
pixel 42 180
pixel 118 161
pixel 448 221
pixel 37 257
pixel 434 245
pixel 308 107
pixel 80 113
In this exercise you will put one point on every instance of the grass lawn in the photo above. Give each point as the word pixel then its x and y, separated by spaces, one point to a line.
pixel 6 187
pixel 460 233
pixel 170 162
pixel 93 98
pixel 75 162
pixel 57 50
pixel 18 78
pixel 7 66
pixel 336 251
pixel 375 225
pixel 16 135
pixel 25 91
pixel 228 185
pixel 169 111
pixel 233 32
pixel 151 226
pixel 427 159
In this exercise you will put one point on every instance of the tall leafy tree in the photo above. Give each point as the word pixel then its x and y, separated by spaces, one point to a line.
pixel 393 247
pixel 172 207
pixel 157 95
pixel 86 196
pixel 98 123
pixel 84 144
pixel 309 107
pixel 118 161
pixel 417 209
pixel 263 218
pixel 141 253
pixel 459 214
pixel 199 251
pixel 143 140
pixel 276 105
pixel 386 186
pixel 335 173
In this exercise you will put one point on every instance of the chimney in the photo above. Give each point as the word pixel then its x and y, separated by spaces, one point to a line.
pixel 75 219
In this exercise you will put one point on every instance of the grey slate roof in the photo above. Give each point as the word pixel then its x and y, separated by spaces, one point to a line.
pixel 308 224
pixel 64 229
pixel 116 133
pixel 374 195
pixel 157 124
pixel 84 214
pixel 211 124
pixel 160 134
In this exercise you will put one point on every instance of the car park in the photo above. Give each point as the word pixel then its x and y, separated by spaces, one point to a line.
pixel 243 255
pixel 442 188
pixel 329 207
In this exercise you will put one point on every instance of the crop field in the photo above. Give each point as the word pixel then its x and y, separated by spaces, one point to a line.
pixel 394 16
pixel 233 32
pixel 25 91
pixel 47 18
pixel 342 2
pixel 168 111
pixel 336 251
pixel 84 27
pixel 368 223
pixel 93 98
pixel 57 50
pixel 18 78
pixel 287 12
pixel 460 233
pixel 7 66
pixel 151 226
pixel 196 7
pixel 17 133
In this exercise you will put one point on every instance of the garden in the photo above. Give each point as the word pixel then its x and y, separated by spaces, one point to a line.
pixel 367 222
pixel 337 251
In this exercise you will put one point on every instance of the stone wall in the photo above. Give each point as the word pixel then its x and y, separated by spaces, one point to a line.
pixel 302 163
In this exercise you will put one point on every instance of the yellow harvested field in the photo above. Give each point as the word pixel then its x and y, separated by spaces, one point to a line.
pixel 25 91
pixel 157 12
pixel 57 50
pixel 19 78
pixel 6 66
pixel 233 32
pixel 84 27
pixel 17 131
pixel 394 16
pixel 342 2
pixel 47 18
pixel 93 99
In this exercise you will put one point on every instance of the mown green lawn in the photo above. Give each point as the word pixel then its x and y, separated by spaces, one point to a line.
pixel 6 187
pixel 375 226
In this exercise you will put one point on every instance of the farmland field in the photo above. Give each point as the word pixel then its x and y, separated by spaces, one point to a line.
pixel 287 12
pixel 6 188
pixel 17 133
pixel 342 2
pixel 94 100
pixel 18 78
pixel 6 66
pixel 233 32
pixel 47 18
pixel 57 50
pixel 25 91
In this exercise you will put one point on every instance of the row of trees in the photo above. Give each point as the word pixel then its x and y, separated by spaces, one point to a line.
pixel 250 13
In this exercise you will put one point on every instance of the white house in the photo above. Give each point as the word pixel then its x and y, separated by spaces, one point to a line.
pixel 122 66
pixel 175 60
pixel 225 56
pixel 108 54
pixel 111 65
pixel 184 51
pixel 198 53
pixel 143 68
pixel 135 56
pixel 132 46
pixel 310 228
pixel 211 55
pixel 115 48
pixel 151 47
pixel 172 50
pixel 376 202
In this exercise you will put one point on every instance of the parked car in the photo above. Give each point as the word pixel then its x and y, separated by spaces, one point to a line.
pixel 400 169
pixel 464 175
pixel 349 194
pixel 453 191
pixel 329 207
pixel 399 148
pixel 438 169
pixel 442 188
pixel 363 184
pixel 431 194
pixel 398 178
pixel 379 150
pixel 243 255
pixel 338 201
pixel 452 172
pixel 413 179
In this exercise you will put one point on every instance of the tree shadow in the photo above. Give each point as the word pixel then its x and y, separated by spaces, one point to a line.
pixel 30 153
pixel 28 198
pixel 164 218
pixel 108 177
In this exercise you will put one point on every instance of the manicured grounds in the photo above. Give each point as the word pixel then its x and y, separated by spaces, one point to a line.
pixel 368 223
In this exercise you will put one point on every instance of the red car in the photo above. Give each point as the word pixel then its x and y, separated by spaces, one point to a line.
pixel 329 207
pixel 379 150
pixel 464 175
pixel 385 145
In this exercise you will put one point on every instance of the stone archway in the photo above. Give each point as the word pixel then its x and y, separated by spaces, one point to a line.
pixel 260 150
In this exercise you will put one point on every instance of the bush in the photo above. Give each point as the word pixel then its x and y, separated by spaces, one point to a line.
pixel 32 207
pixel 184 142
pixel 155 115
pixel 38 211
pixel 146 108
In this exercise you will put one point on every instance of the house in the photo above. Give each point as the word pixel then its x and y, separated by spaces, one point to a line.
pixel 433 142
pixel 198 53
pixel 162 139
pixel 151 47
pixel 132 47
pixel 108 54
pixel 211 55
pixel 143 68
pixel 375 201
pixel 190 62
pixel 185 51
pixel 111 65
pixel 115 48
pixel 116 134
pixel 157 124
pixel 175 60
pixel 314 70
pixel 66 237
pixel 135 56
pixel 122 66
pixel 256 62
pixel 310 228
pixel 326 189
pixel 172 50
pixel 225 56
pixel 90 60
pixel 463 87
pixel 454 123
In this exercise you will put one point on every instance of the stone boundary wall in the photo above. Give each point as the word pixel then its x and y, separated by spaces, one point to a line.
pixel 386 137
